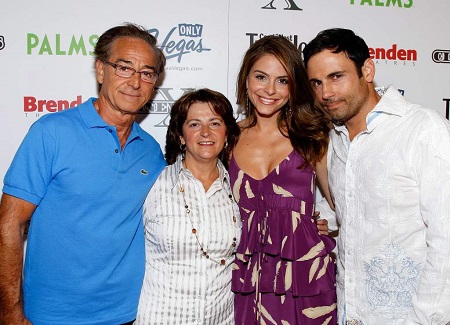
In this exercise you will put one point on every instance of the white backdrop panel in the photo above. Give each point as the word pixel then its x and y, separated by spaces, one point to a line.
pixel 45 49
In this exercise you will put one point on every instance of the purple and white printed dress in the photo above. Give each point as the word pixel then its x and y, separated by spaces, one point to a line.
pixel 284 272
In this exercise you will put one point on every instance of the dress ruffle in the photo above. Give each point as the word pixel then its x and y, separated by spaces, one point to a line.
pixel 291 252
pixel 281 250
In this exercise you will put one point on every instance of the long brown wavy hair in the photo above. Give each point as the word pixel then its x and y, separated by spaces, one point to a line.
pixel 300 120
pixel 178 114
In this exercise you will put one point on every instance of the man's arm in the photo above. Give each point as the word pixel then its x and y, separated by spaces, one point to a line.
pixel 432 167
pixel 323 201
pixel 14 214
pixel 322 179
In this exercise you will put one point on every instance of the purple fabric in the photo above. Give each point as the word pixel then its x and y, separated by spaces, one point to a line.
pixel 283 269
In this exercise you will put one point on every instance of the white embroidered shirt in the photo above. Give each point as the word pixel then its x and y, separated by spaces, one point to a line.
pixel 391 188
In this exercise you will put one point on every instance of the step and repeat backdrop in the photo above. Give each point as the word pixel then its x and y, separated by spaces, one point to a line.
pixel 46 62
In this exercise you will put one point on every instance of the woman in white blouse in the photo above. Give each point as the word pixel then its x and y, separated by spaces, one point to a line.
pixel 192 224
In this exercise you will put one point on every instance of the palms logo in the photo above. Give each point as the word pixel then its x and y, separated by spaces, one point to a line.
pixel 290 5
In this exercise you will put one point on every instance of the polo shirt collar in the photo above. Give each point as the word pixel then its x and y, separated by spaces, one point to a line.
pixel 92 119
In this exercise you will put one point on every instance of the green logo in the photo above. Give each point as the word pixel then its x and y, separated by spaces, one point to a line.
pixel 54 45
pixel 383 3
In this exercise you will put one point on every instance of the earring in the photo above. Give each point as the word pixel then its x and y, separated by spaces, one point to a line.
pixel 289 112
pixel 226 144
pixel 183 147
pixel 248 100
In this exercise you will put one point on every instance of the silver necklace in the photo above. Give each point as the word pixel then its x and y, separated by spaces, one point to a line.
pixel 195 232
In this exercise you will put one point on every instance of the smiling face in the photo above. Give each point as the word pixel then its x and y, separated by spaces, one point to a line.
pixel 126 95
pixel 338 87
pixel 204 134
pixel 267 86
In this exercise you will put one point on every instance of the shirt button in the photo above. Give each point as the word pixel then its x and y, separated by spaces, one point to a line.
pixel 116 151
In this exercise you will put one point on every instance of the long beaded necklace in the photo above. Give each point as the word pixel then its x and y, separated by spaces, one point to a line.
pixel 195 232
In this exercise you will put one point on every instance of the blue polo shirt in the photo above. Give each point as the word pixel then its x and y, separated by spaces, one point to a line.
pixel 85 251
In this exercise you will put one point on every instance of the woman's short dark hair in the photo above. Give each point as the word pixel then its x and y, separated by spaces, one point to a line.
pixel 105 43
pixel 178 115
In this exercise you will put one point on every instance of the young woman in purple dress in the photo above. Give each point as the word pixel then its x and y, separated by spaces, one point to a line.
pixel 284 271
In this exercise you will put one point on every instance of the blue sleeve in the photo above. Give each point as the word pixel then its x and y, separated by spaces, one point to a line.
pixel 31 169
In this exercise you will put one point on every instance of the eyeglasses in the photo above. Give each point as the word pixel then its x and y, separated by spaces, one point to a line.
pixel 127 72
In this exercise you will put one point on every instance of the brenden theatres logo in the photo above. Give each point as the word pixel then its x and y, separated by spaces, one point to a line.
pixel 384 3
pixel 441 56
pixel 162 103
pixel 37 106
pixel 61 44
pixel 2 42
pixel 393 54
pixel 189 40
pixel 291 5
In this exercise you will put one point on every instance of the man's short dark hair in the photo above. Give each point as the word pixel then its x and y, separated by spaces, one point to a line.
pixel 339 40
pixel 104 44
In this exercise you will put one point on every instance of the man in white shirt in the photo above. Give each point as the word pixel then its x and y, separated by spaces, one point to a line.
pixel 389 176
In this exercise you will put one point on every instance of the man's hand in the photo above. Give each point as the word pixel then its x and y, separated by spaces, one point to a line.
pixel 322 224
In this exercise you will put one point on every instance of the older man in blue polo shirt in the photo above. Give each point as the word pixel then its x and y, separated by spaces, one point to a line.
pixel 81 177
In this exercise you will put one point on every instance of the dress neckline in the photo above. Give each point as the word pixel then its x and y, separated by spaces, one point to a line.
pixel 233 161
